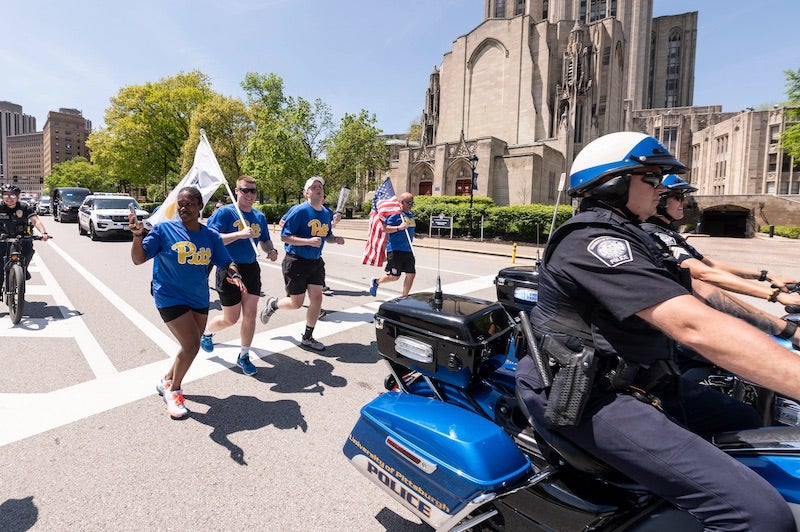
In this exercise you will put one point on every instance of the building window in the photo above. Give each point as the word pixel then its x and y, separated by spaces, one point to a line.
pixel 774 134
pixel 772 162
pixel 673 70
pixel 519 7
pixel 545 9
pixel 669 139
pixel 721 156
pixel 500 9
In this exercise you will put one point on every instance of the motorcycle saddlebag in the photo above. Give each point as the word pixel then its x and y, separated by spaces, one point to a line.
pixel 517 288
pixel 773 453
pixel 431 456
pixel 450 342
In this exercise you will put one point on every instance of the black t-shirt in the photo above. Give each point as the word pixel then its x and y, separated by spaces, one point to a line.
pixel 15 220
pixel 671 239
pixel 605 269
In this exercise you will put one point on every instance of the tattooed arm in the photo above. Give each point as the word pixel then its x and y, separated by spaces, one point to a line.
pixel 730 304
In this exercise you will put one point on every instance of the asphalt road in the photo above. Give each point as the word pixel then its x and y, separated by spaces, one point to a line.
pixel 86 444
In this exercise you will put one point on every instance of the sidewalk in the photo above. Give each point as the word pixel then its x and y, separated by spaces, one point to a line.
pixel 357 229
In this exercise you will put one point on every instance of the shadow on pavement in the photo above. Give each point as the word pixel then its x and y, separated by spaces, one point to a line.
pixel 353 353
pixel 17 515
pixel 238 413
pixel 296 376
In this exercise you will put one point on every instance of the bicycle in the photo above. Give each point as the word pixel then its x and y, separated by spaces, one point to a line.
pixel 14 274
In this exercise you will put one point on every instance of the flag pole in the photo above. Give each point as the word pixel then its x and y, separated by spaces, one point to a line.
pixel 230 192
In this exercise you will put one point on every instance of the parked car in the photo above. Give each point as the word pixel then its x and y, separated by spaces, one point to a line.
pixel 43 207
pixel 102 215
pixel 65 202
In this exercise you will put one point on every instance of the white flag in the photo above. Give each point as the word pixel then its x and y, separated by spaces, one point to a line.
pixel 205 175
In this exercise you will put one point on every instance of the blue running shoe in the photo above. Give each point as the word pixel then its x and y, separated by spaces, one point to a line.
pixel 207 343
pixel 244 362
pixel 373 287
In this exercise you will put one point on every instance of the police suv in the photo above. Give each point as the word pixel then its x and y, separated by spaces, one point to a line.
pixel 105 214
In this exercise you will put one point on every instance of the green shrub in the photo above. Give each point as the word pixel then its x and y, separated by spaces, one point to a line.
pixel 787 231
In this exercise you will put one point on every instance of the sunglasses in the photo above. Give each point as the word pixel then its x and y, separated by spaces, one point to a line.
pixel 651 178
pixel 12 196
pixel 680 196
pixel 248 190
pixel 409 202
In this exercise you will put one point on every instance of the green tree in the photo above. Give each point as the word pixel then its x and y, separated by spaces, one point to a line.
pixel 353 151
pixel 79 172
pixel 229 128
pixel 790 138
pixel 146 128
pixel 415 130
pixel 290 134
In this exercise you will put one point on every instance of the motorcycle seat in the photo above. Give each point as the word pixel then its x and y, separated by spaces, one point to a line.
pixel 558 451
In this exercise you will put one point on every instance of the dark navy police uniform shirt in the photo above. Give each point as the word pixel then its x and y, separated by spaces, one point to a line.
pixel 606 274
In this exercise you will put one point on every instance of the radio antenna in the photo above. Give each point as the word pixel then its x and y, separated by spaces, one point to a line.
pixel 438 297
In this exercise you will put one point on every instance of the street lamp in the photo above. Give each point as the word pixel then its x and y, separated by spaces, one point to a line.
pixel 473 163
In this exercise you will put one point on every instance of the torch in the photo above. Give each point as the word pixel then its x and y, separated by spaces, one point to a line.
pixel 343 195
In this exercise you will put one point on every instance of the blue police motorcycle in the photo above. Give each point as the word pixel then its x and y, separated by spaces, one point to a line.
pixel 449 441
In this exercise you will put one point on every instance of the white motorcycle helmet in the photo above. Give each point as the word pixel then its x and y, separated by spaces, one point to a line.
pixel 602 169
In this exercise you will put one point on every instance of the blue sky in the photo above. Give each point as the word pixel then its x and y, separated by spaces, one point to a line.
pixel 353 54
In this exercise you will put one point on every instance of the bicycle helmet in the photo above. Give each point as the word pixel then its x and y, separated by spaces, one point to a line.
pixel 673 183
pixel 602 168
pixel 9 188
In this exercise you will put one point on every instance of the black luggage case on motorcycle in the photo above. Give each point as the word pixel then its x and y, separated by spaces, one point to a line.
pixel 451 343
pixel 517 288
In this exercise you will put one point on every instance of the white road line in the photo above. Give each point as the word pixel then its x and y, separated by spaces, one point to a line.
pixel 165 342
pixel 97 359
pixel 26 415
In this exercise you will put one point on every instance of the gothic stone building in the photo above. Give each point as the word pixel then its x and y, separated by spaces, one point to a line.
pixel 523 92
pixel 535 82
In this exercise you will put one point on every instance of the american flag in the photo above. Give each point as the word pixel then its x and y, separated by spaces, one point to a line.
pixel 383 204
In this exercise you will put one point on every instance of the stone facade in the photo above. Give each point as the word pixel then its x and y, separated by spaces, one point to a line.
pixel 532 84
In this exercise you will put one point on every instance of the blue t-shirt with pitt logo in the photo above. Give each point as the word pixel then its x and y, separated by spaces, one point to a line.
pixel 305 222
pixel 226 220
pixel 180 275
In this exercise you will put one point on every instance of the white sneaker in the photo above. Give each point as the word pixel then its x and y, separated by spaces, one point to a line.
pixel 269 310
pixel 163 385
pixel 175 407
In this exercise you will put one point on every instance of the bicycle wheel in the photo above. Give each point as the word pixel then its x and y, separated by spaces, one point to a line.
pixel 16 293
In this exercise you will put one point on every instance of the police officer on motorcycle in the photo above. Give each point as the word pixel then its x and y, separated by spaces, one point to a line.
pixel 605 287
pixel 726 276
pixel 15 219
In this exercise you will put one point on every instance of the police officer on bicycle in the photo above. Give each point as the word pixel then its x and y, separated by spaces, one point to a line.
pixel 16 218
pixel 606 289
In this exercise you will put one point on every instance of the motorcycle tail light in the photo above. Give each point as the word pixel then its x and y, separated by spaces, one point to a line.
pixel 414 349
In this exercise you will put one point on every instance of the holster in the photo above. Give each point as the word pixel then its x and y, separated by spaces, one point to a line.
pixel 572 384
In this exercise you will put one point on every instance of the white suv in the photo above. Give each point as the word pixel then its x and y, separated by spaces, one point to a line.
pixel 101 215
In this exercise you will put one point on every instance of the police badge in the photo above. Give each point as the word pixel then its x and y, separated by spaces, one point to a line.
pixel 610 250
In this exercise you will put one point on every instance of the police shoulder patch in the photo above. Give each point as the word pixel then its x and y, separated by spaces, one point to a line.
pixel 610 250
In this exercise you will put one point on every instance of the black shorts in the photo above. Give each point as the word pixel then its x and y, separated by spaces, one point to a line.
pixel 229 294
pixel 298 273
pixel 398 262
pixel 176 311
